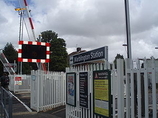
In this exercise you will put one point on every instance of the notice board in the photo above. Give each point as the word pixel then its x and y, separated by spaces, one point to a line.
pixel 71 89
pixel 102 93
pixel 83 89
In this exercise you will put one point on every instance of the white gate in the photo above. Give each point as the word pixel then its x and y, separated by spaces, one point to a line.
pixel 47 90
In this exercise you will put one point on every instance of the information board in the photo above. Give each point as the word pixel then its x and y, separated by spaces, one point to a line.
pixel 83 89
pixel 71 89
pixel 102 93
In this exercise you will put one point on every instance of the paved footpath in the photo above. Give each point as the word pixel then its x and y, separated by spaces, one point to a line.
pixel 19 111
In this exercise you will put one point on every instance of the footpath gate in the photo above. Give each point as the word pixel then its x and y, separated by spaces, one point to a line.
pixel 134 90
pixel 47 90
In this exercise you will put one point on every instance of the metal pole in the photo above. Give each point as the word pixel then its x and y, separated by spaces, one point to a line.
pixel 20 37
pixel 129 56
pixel 128 32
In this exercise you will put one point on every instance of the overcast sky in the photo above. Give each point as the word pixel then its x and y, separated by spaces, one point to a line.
pixel 88 24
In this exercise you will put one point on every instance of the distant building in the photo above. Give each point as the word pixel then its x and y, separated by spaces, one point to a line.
pixel 78 50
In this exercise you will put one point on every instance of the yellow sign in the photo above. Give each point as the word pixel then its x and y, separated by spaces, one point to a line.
pixel 19 9
pixel 101 89
pixel 101 80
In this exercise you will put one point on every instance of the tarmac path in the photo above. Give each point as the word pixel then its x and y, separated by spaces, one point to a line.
pixel 19 111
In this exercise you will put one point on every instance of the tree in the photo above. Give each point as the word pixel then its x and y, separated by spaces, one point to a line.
pixel 48 36
pixel 118 56
pixel 59 55
pixel 10 53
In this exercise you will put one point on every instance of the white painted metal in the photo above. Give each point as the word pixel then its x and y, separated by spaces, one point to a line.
pixel 139 90
pixel 146 89
pixel 154 104
pixel 127 76
pixel 120 88
pixel 47 90
pixel 132 93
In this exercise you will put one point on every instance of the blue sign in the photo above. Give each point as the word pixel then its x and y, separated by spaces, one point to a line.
pixel 97 54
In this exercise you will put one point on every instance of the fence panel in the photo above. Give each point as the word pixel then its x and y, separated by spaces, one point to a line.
pixel 141 92
pixel 47 90
pixel 19 83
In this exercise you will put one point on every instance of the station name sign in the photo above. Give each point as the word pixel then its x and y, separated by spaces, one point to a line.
pixel 96 54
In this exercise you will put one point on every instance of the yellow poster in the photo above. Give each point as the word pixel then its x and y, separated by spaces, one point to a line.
pixel 102 93
pixel 101 89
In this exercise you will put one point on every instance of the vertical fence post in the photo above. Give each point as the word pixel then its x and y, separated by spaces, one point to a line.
pixel 127 69
pixel 133 108
pixel 139 84
pixel 154 104
pixel 146 89
pixel 120 89
pixel 38 97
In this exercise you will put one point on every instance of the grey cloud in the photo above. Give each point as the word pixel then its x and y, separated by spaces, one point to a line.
pixel 93 23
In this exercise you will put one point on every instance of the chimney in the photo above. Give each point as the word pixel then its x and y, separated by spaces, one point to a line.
pixel 78 49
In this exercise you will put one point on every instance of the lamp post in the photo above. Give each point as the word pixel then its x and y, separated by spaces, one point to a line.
pixel 128 32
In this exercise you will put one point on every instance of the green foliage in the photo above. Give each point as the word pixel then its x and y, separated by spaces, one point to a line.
pixel 12 55
pixel 59 55
pixel 48 36
pixel 10 52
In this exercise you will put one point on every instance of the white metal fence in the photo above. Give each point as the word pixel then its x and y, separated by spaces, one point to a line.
pixel 133 87
pixel 141 97
pixel 77 111
pixel 47 90
pixel 19 83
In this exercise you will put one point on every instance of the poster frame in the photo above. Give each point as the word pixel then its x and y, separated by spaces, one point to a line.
pixel 88 92
pixel 74 80
pixel 109 95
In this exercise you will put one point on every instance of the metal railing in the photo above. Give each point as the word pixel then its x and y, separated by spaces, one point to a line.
pixel 5 103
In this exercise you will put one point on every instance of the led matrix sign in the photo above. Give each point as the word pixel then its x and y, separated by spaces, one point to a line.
pixel 33 52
